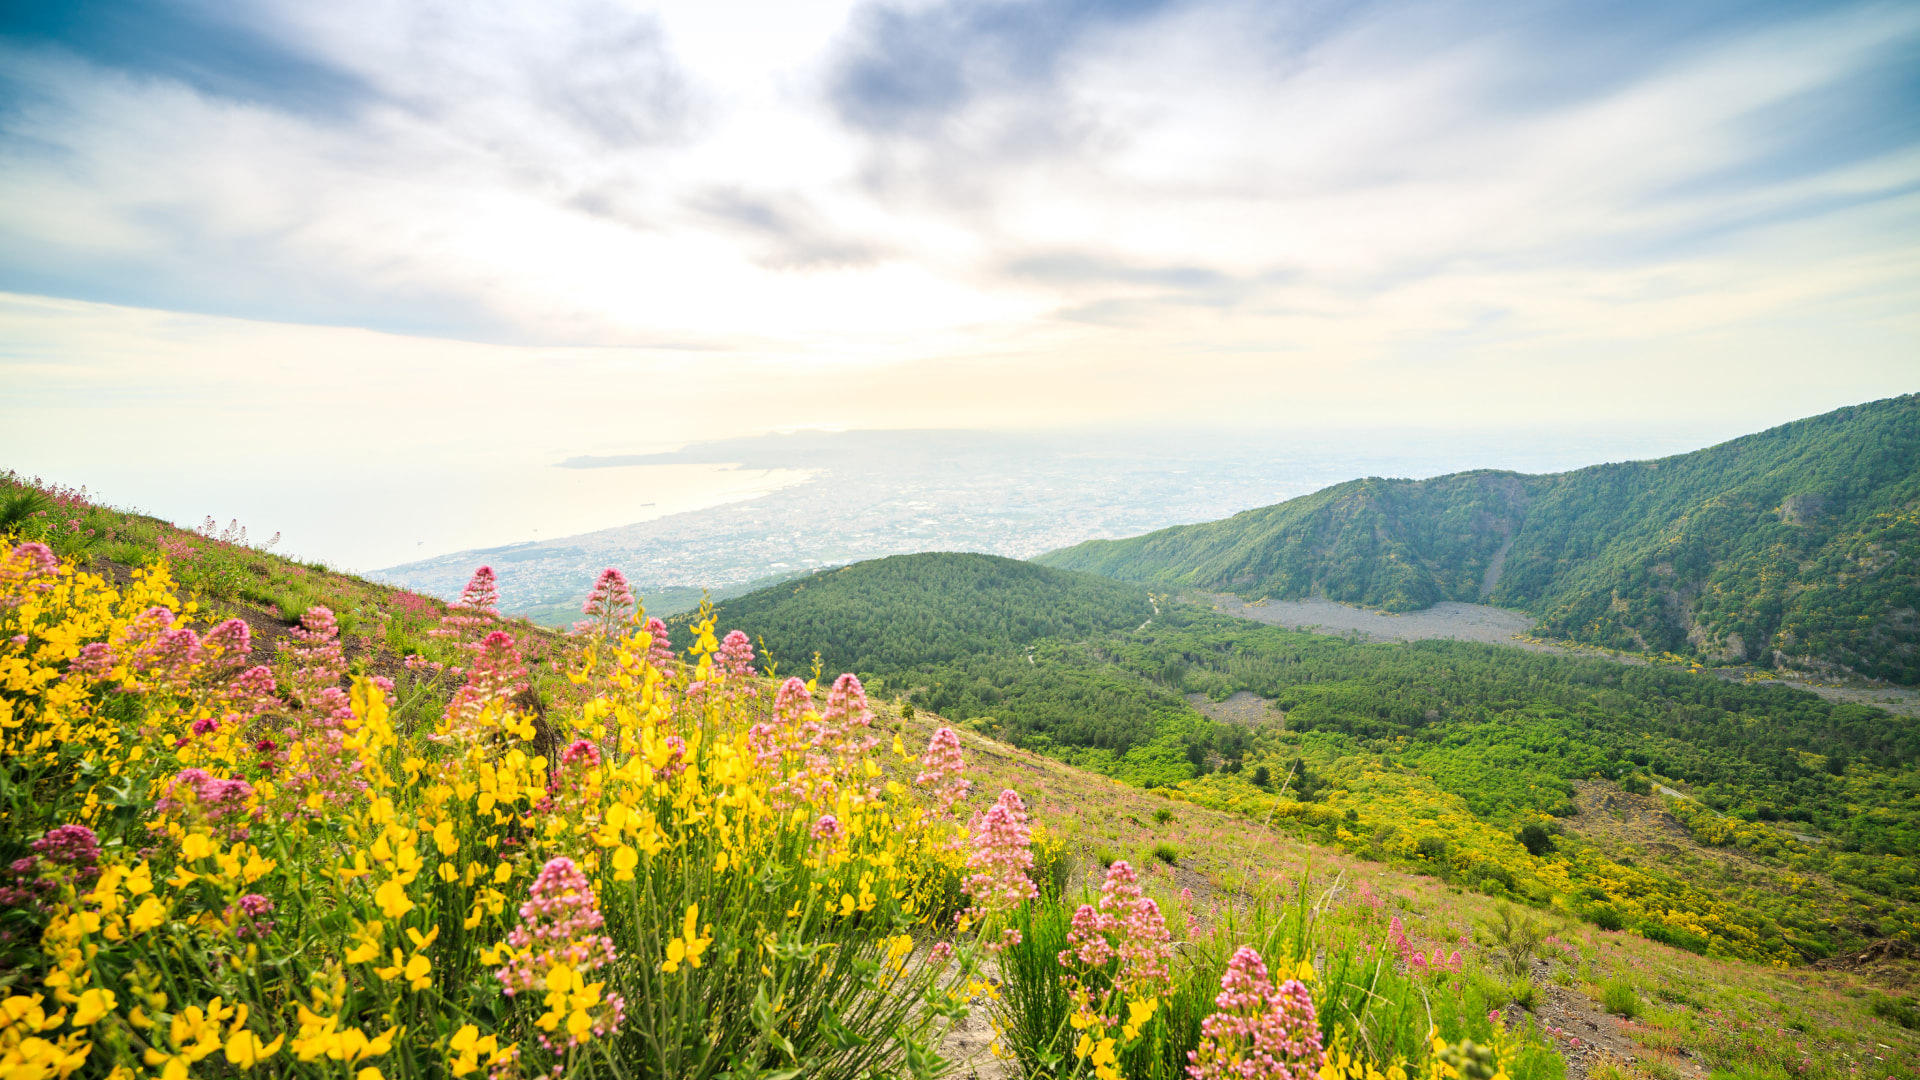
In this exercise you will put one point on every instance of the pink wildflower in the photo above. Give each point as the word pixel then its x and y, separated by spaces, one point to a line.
pixel 200 798
pixel 1001 858
pixel 1127 926
pixel 561 925
pixel 1258 1029
pixel 314 649
pixel 229 645
pixel 736 655
pixel 318 728
pixel 827 830
pixel 73 846
pixel 477 611
pixel 249 917
pixel 609 606
pixel 660 651
pixel 30 567
pixel 941 768
pixel 498 674
pixel 815 756
pixel 574 783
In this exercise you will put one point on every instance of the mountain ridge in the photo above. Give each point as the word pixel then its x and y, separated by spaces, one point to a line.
pixel 1795 545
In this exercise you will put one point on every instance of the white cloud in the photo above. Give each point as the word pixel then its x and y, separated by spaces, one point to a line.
pixel 574 215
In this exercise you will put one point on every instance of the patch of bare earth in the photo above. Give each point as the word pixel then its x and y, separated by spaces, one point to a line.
pixel 1245 708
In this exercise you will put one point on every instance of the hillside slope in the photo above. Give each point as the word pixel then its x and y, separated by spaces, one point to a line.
pixel 906 611
pixel 1800 544
pixel 1437 754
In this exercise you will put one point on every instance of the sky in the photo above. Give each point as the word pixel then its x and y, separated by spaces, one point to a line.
pixel 364 261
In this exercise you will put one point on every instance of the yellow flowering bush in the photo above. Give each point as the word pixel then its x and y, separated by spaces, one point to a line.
pixel 681 869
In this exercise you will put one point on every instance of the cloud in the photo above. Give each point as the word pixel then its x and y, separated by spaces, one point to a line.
pixel 906 70
pixel 1049 190
pixel 223 50
pixel 788 231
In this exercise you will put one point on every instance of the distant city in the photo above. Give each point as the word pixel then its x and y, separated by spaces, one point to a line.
pixel 878 493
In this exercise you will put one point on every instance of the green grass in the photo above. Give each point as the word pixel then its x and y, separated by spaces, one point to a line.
pixel 1619 998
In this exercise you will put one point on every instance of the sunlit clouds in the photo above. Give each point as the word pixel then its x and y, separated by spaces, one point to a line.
pixel 638 224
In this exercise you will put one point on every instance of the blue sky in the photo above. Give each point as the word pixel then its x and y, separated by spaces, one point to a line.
pixel 624 226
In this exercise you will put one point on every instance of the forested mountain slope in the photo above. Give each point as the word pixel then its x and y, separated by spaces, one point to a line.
pixel 1800 544
pixel 908 611
pixel 1437 754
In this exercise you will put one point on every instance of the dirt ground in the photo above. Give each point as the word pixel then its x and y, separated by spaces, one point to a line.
pixel 1244 707
pixel 1465 622
pixel 1499 626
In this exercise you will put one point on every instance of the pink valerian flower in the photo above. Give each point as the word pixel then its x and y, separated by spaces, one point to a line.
pixel 848 720
pixel 1417 962
pixel 574 784
pixel 1258 1029
pixel 315 738
pixel 471 617
pixel 29 567
pixel 248 916
pixel 1087 942
pixel 68 853
pixel 498 674
pixel 1127 926
pixel 203 799
pixel 660 649
pixel 732 663
pixel 673 754
pixel 793 701
pixel 608 606
pixel 941 769
pixel 150 652
pixel 827 829
pixel 1001 858
pixel 72 846
pixel 561 924
pixel 1186 912
pixel 1397 937
pixel 736 655
pixel 816 754
pixel 314 650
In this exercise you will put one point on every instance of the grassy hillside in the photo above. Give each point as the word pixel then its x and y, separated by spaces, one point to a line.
pixel 1800 544
pixel 1440 754
pixel 221 569
pixel 412 833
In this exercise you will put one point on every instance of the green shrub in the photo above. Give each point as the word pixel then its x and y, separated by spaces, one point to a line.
pixel 1162 816
pixel 1516 937
pixel 1053 863
pixel 1617 996
pixel 1166 853
pixel 1536 839
pixel 1896 1010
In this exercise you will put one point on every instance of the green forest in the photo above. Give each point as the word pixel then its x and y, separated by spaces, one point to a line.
pixel 1800 544
pixel 1456 757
